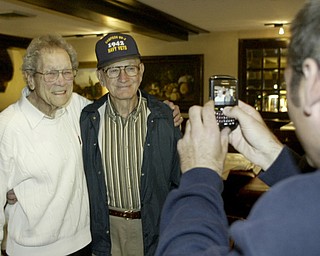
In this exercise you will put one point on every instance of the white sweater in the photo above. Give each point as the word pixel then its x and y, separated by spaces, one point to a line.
pixel 41 159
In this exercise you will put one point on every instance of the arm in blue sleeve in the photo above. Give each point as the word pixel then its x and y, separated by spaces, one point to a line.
pixel 286 165
pixel 193 218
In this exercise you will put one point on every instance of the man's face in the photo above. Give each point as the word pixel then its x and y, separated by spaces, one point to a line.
pixel 52 95
pixel 124 87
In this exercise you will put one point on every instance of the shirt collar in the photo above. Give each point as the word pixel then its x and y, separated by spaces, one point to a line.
pixel 112 112
pixel 32 114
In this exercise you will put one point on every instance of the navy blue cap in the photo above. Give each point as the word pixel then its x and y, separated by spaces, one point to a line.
pixel 115 47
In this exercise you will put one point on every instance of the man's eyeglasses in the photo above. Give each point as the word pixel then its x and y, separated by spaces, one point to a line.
pixel 114 72
pixel 52 75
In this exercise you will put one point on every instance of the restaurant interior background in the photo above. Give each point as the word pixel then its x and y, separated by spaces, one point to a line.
pixel 213 29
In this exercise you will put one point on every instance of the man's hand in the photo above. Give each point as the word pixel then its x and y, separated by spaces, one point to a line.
pixel 177 118
pixel 252 137
pixel 11 197
pixel 202 144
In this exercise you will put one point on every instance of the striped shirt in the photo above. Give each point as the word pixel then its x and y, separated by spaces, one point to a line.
pixel 123 144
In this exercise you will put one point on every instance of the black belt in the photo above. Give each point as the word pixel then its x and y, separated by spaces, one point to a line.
pixel 125 214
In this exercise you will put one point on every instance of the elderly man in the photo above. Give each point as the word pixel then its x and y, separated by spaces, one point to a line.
pixel 41 157
pixel 130 155
pixel 285 221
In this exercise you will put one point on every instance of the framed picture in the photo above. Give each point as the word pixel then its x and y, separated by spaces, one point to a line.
pixel 86 82
pixel 178 78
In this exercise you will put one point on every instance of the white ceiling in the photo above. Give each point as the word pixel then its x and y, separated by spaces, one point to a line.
pixel 211 15
pixel 226 15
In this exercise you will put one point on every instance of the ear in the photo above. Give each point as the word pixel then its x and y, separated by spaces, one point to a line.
pixel 101 77
pixel 311 87
pixel 30 80
pixel 141 70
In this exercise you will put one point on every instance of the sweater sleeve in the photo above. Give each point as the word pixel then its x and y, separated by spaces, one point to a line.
pixel 286 165
pixel 5 163
pixel 193 218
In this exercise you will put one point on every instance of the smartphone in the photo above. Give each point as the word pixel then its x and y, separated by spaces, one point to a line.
pixel 223 89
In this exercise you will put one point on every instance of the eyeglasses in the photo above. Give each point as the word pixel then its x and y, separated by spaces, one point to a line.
pixel 114 72
pixel 52 75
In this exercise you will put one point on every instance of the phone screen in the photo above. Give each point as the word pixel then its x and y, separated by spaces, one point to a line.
pixel 223 90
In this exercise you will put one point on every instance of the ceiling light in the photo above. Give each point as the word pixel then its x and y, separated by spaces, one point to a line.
pixel 281 31
pixel 278 25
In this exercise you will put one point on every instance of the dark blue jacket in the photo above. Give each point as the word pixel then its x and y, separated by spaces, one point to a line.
pixel 160 172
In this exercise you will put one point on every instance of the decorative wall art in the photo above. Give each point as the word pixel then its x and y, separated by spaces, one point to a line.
pixel 178 78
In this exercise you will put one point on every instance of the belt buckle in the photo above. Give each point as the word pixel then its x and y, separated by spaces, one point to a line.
pixel 126 213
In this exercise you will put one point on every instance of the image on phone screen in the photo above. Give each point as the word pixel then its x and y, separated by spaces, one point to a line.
pixel 223 90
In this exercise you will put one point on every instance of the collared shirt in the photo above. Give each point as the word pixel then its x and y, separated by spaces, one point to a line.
pixel 123 143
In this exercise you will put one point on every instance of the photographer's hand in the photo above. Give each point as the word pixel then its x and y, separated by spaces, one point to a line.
pixel 202 144
pixel 252 138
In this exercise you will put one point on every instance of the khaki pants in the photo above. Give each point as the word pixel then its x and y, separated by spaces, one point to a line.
pixel 126 237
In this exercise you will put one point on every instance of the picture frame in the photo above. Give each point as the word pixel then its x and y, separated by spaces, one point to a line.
pixel 178 78
pixel 86 82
